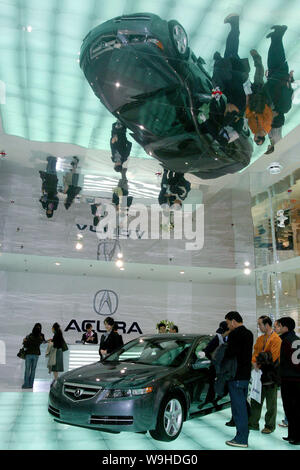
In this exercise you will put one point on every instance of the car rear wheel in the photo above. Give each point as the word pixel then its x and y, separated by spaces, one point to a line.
pixel 169 420
pixel 179 39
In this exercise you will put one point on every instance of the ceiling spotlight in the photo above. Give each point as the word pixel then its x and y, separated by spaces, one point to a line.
pixel 247 263
pixel 29 29
pixel 181 272
pixel 275 168
pixel 119 263
pixel 120 255
pixel 78 246
pixel 57 264
pixel 247 271
pixel 122 269
pixel 79 236
pixel 117 84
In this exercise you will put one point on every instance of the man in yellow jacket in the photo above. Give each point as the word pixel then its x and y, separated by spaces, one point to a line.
pixel 269 341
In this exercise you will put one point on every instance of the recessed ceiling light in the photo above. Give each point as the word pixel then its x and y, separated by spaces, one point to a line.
pixel 119 263
pixel 275 168
pixel 181 272
pixel 57 264
pixel 120 255
pixel 79 236
pixel 247 263
pixel 247 271
pixel 78 246
pixel 122 269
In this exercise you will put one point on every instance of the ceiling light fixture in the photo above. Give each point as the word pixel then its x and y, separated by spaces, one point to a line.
pixel 120 255
pixel 119 263
pixel 247 271
pixel 78 246
pixel 275 168
pixel 57 264
pixel 247 263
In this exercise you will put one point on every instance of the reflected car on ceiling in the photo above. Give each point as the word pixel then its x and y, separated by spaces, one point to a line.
pixel 153 383
pixel 144 72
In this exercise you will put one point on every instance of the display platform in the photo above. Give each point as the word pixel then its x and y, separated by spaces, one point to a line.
pixel 26 425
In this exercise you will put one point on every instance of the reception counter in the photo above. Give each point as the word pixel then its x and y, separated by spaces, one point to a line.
pixel 77 355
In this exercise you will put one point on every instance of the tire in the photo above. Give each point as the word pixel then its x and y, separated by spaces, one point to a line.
pixel 179 39
pixel 169 420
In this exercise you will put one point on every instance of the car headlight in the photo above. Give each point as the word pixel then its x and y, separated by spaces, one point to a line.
pixel 113 393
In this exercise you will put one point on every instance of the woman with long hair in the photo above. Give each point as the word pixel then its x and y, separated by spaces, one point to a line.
pixel 32 344
pixel 58 343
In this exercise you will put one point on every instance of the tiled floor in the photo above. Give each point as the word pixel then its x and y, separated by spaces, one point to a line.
pixel 26 425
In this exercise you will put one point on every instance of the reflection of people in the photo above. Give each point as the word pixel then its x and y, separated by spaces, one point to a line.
pixel 120 195
pixel 49 199
pixel 90 336
pixel 239 345
pixel 120 146
pixel 32 344
pixel 174 189
pixel 230 74
pixel 268 342
pixel 109 341
pixel 71 188
pixel 276 93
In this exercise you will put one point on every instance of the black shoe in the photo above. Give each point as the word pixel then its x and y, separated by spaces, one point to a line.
pixel 269 150
pixel 230 423
pixel 295 443
pixel 286 438
pixel 279 30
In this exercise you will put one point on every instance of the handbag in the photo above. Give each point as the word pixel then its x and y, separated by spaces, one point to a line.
pixel 22 353
pixel 64 346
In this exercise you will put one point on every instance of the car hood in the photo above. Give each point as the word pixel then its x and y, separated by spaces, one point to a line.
pixel 122 374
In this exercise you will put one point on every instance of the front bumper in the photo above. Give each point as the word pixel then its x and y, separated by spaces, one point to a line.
pixel 116 415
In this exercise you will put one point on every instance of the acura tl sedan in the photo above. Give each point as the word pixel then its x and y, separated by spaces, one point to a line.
pixel 143 71
pixel 153 383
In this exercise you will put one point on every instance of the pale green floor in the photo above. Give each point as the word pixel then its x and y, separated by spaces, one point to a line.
pixel 26 425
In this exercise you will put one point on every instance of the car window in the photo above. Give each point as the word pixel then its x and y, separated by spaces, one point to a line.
pixel 202 345
pixel 170 353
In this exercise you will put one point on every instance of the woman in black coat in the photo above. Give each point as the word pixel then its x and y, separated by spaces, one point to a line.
pixel 110 341
pixel 32 344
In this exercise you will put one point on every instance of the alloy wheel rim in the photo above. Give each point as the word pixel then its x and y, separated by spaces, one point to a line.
pixel 180 38
pixel 173 417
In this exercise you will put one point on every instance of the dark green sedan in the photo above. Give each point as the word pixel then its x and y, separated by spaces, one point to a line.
pixel 153 383
pixel 142 69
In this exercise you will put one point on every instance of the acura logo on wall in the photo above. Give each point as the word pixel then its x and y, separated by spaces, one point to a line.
pixel 78 392
pixel 106 302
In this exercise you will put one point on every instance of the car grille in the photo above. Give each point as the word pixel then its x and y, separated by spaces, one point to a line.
pixel 120 420
pixel 77 392
pixel 54 411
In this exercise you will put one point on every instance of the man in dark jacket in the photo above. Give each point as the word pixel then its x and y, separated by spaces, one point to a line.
pixel 49 199
pixel 239 346
pixel 290 377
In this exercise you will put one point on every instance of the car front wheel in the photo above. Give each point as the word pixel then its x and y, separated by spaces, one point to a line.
pixel 179 39
pixel 169 420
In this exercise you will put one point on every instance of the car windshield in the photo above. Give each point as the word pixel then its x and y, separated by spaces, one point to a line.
pixel 158 351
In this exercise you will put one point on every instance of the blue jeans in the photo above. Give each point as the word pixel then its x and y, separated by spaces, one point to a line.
pixel 30 366
pixel 51 165
pixel 238 391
